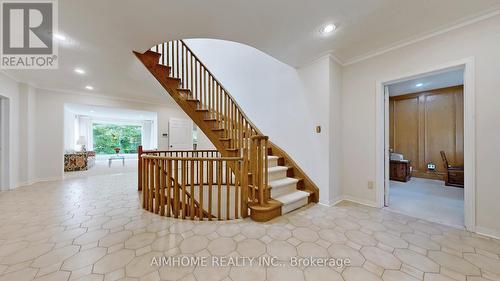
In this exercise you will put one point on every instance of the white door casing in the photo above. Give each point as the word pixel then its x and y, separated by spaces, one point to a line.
pixel 469 135
pixel 386 143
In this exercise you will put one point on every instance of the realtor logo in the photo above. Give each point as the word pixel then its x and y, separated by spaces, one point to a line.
pixel 27 35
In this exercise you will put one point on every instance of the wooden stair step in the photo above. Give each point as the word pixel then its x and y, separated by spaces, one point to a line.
pixel 152 56
pixel 173 82
pixel 217 129
pixel 162 70
pixel 225 139
pixel 149 58
pixel 201 110
pixel 210 120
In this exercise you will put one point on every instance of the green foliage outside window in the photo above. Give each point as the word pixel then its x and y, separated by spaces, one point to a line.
pixel 107 137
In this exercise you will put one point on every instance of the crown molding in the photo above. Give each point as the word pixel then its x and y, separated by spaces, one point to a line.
pixel 405 43
pixel 323 55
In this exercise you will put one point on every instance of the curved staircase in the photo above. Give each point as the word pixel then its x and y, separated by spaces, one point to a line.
pixel 276 185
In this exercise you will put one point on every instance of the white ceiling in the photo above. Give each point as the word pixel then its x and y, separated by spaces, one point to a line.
pixel 110 113
pixel 445 79
pixel 102 34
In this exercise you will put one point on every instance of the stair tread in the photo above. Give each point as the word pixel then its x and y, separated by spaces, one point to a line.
pixel 292 197
pixel 174 78
pixel 272 157
pixel 163 66
pixel 152 53
pixel 277 169
pixel 282 182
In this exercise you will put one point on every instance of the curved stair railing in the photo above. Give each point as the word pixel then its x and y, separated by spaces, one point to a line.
pixel 197 185
pixel 205 100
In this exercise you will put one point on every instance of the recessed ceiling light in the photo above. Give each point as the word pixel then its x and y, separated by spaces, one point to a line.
pixel 59 37
pixel 79 71
pixel 328 28
pixel 88 87
pixel 91 111
pixel 419 85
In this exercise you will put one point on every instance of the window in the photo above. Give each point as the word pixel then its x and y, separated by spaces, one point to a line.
pixel 107 137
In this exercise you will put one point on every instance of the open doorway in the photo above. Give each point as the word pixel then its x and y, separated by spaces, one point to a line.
pixel 426 161
pixel 426 141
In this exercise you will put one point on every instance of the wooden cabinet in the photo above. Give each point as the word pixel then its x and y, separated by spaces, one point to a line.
pixel 400 170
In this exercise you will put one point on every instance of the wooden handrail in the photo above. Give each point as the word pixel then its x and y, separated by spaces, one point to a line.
pixel 178 151
pixel 141 152
pixel 192 158
pixel 171 184
pixel 199 84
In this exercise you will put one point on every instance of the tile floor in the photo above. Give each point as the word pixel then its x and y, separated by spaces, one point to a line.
pixel 92 228
pixel 428 199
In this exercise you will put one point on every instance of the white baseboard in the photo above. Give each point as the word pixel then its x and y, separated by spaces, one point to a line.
pixel 28 183
pixel 353 199
pixel 325 204
pixel 492 233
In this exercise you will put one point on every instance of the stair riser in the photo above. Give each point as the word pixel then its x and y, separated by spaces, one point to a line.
pixel 162 72
pixel 272 163
pixel 282 190
pixel 276 175
pixel 293 206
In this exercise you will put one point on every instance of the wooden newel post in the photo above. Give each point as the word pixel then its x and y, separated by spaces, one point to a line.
pixel 139 167
pixel 244 183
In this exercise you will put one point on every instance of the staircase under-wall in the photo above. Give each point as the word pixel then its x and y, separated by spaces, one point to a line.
pixel 272 181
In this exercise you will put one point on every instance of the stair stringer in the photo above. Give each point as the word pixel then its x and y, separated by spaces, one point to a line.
pixel 150 59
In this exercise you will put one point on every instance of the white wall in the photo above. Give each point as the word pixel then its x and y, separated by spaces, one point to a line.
pixel 335 131
pixel 21 144
pixel 26 116
pixel 69 130
pixel 481 41
pixel 4 143
pixel 10 89
pixel 283 102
